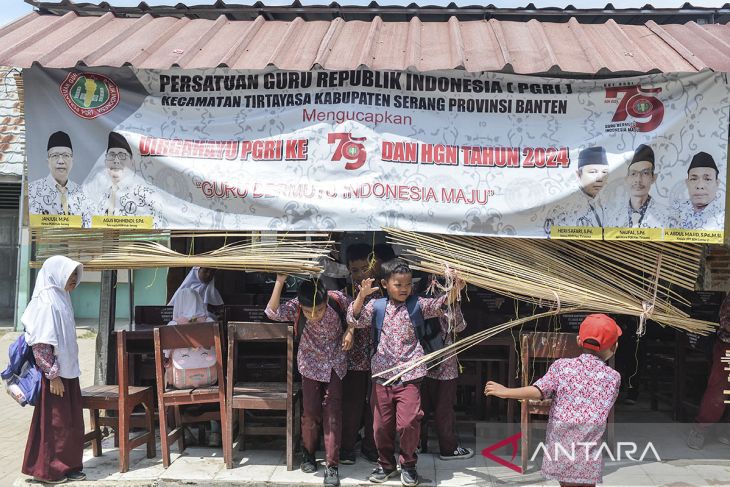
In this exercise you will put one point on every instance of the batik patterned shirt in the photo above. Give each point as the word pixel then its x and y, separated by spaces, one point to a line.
pixel 135 198
pixel 449 368
pixel 578 210
pixel 650 215
pixel 320 346
pixel 711 217
pixel 45 198
pixel 46 360
pixel 398 345
pixel 358 357
pixel 583 391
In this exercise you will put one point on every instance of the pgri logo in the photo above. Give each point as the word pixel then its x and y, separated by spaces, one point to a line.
pixel 638 103
pixel 349 147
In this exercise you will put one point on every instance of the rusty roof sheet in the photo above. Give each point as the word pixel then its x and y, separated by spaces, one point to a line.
pixel 12 124
pixel 531 47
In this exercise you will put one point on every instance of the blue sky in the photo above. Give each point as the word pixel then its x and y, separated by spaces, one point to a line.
pixel 14 9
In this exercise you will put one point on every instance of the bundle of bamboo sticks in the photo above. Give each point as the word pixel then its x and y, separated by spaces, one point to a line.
pixel 101 250
pixel 642 279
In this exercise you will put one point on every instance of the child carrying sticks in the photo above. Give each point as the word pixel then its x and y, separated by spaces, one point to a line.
pixel 397 407
pixel 583 391
pixel 323 364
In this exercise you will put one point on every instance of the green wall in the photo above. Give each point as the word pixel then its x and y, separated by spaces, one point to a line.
pixel 149 288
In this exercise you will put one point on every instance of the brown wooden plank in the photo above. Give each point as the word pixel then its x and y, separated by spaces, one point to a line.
pixel 252 331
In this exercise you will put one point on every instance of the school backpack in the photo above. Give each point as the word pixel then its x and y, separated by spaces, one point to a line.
pixel 428 332
pixel 192 367
pixel 22 376
pixel 334 303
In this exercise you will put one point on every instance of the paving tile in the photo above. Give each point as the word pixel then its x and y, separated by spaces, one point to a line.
pixel 194 465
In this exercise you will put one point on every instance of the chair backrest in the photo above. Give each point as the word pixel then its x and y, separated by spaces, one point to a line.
pixel 239 331
pixel 191 335
pixel 122 366
pixel 548 347
pixel 244 312
pixel 152 315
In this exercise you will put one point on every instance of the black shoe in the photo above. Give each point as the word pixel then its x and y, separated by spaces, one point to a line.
pixel 458 454
pixel 332 477
pixel 347 457
pixel 76 476
pixel 370 455
pixel 309 464
pixel 408 477
pixel 381 475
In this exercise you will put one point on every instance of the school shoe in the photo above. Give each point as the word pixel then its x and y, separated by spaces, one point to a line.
pixel 408 477
pixel 347 457
pixel 696 439
pixel 76 476
pixel 381 475
pixel 332 477
pixel 459 454
pixel 309 464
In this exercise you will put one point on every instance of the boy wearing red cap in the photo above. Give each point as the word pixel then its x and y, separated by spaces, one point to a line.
pixel 583 391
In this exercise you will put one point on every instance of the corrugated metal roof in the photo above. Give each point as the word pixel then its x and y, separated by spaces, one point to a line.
pixel 667 12
pixel 12 124
pixel 532 47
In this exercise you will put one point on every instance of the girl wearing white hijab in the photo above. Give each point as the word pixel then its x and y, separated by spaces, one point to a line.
pixel 202 281
pixel 53 453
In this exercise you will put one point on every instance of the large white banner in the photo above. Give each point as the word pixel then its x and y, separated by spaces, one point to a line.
pixel 446 152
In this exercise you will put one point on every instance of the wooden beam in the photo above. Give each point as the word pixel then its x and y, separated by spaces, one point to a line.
pixel 105 359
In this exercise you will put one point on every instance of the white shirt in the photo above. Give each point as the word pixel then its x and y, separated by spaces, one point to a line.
pixel 654 215
pixel 49 317
pixel 711 217
pixel 577 210
pixel 44 198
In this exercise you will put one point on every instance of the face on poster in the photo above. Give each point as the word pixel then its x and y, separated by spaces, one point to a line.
pixel 640 158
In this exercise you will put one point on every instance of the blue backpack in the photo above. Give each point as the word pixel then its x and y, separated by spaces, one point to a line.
pixel 428 332
pixel 22 376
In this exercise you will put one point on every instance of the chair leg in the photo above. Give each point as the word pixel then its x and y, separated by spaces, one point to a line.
pixel 290 435
pixel 241 429
pixel 150 420
pixel 96 441
pixel 179 424
pixel 123 435
pixel 525 438
pixel 164 439
pixel 226 435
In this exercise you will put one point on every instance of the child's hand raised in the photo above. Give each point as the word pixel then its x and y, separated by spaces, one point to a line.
pixel 281 278
pixel 494 389
pixel 366 287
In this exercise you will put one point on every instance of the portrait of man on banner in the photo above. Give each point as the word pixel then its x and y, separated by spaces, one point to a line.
pixel 56 194
pixel 703 210
pixel 583 208
pixel 123 192
pixel 641 210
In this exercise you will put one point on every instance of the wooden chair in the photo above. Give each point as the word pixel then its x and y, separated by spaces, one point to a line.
pixel 183 336
pixel 277 396
pixel 546 347
pixel 122 398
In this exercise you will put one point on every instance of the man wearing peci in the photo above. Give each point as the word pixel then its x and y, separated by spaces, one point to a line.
pixel 583 208
pixel 127 194
pixel 56 194
pixel 642 210
pixel 703 210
